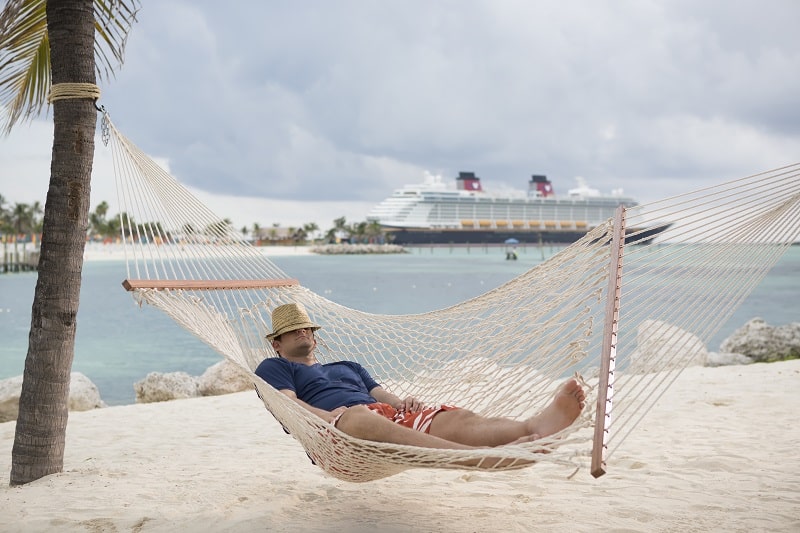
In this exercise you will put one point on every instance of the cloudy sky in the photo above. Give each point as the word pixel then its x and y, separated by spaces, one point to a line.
pixel 292 112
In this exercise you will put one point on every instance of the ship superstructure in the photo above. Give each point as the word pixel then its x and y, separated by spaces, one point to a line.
pixel 433 212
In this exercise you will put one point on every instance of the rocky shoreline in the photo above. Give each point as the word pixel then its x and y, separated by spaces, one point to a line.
pixel 357 249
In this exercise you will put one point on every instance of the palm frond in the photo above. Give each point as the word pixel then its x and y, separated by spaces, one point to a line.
pixel 25 52
pixel 113 20
pixel 24 61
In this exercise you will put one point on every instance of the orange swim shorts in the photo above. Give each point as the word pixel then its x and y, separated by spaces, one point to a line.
pixel 420 420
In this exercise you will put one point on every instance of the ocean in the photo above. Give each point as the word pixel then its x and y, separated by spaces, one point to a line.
pixel 119 343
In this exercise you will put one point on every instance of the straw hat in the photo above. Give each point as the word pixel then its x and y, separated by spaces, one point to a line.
pixel 289 317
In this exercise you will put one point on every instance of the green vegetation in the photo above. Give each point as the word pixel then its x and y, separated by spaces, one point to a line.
pixel 26 219
pixel 20 219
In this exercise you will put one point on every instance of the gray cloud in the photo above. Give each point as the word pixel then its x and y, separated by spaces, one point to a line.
pixel 348 100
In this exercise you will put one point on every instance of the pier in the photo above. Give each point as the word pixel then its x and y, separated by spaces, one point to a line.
pixel 19 261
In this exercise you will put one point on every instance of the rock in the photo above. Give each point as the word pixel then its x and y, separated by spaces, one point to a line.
pixel 662 346
pixel 10 390
pixel 83 395
pixel 725 359
pixel 160 387
pixel 764 343
pixel 224 377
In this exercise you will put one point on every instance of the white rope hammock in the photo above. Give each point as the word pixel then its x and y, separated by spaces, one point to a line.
pixel 624 316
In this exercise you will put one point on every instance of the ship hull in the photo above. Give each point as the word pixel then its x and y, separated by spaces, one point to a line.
pixel 419 237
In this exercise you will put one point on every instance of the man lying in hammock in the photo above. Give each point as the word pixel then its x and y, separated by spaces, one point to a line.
pixel 344 394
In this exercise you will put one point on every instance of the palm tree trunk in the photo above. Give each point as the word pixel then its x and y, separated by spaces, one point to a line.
pixel 41 425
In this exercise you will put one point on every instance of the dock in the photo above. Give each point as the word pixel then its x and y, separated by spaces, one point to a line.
pixel 26 261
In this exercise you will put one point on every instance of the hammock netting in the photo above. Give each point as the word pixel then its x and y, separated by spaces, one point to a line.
pixel 620 309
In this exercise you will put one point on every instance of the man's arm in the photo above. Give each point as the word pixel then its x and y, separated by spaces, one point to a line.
pixel 327 416
pixel 410 404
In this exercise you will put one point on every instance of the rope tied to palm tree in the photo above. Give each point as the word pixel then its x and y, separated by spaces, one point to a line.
pixel 68 91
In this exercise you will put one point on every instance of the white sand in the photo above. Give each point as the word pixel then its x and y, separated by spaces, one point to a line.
pixel 718 453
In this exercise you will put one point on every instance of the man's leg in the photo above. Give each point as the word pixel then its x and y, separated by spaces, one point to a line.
pixel 358 421
pixel 462 429
pixel 465 427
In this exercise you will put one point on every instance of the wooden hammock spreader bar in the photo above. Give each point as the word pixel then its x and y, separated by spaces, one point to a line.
pixel 208 285
pixel 608 355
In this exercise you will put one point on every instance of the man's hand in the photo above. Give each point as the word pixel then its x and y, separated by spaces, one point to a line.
pixel 333 414
pixel 410 405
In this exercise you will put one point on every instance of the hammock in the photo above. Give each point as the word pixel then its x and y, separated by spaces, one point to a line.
pixel 624 316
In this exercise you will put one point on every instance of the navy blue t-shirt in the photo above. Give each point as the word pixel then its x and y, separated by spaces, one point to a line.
pixel 328 386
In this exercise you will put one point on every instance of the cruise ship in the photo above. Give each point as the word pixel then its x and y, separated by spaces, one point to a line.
pixel 434 212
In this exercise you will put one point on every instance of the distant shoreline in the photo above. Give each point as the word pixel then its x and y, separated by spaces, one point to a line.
pixel 358 249
pixel 116 252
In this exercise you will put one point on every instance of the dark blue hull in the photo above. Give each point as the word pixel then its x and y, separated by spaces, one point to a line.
pixel 412 237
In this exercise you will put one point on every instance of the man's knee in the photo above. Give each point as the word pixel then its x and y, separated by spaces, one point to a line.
pixel 446 422
pixel 356 420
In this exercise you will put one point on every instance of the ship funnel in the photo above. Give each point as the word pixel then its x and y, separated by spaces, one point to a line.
pixel 540 186
pixel 468 181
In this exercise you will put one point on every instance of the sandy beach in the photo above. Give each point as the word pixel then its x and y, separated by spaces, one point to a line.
pixel 717 453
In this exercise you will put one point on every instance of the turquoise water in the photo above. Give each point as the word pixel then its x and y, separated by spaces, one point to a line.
pixel 118 343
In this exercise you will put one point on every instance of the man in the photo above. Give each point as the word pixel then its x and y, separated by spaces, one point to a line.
pixel 344 394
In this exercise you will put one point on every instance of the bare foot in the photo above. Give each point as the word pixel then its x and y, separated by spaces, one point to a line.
pixel 561 412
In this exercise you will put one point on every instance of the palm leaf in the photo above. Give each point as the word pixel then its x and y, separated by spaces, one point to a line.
pixel 25 53
pixel 113 21
pixel 24 61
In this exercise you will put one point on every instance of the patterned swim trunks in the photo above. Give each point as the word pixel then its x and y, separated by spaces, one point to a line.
pixel 420 420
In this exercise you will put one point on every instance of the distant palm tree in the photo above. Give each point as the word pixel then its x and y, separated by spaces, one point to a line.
pixel 358 232
pixel 374 231
pixel 310 229
pixel 44 42
pixel 22 220
pixel 298 235
pixel 330 235
pixel 340 227
pixel 220 228
pixel 291 234
pixel 5 217
pixel 98 224
pixel 36 212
